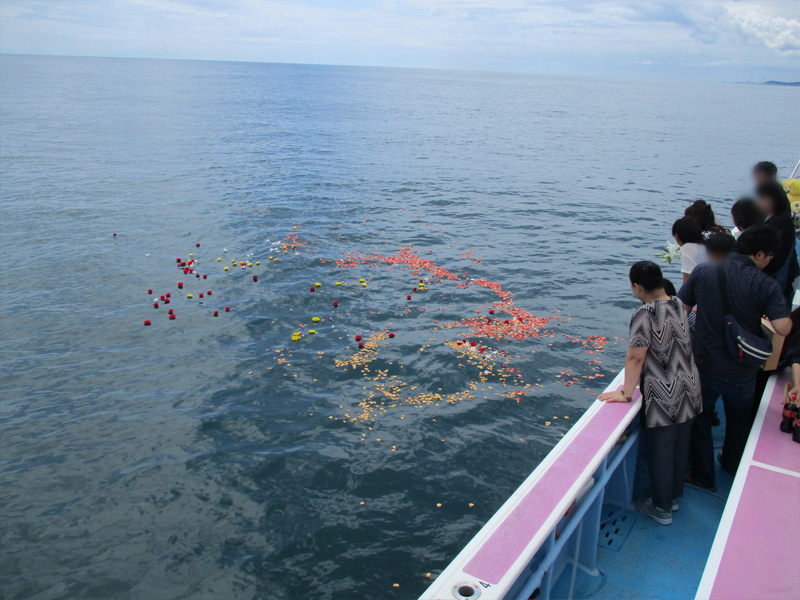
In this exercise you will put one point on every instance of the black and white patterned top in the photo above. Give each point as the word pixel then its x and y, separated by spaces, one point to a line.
pixel 670 382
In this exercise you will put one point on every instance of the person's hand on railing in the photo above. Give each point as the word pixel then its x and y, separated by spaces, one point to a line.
pixel 617 396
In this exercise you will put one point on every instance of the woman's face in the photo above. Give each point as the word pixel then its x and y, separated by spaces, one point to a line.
pixel 678 240
pixel 638 291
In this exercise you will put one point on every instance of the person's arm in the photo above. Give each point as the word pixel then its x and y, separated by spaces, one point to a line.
pixel 793 389
pixel 782 326
pixel 685 277
pixel 633 373
pixel 776 310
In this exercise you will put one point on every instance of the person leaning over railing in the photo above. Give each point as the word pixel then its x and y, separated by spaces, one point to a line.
pixel 729 344
pixel 688 236
pixel 660 361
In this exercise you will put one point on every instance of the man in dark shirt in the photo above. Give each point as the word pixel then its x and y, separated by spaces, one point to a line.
pixel 752 295
pixel 783 268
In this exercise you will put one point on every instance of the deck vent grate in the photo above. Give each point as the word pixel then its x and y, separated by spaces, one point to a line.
pixel 615 526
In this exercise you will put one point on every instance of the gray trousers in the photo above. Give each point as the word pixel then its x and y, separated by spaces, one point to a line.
pixel 667 451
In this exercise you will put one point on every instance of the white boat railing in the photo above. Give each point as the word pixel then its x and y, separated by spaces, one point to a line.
pixel 553 519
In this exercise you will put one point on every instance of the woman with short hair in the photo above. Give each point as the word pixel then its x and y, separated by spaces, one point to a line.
pixel 745 213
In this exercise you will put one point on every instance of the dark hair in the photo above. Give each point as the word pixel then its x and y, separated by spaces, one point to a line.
pixel 767 168
pixel 775 192
pixel 669 289
pixel 700 211
pixel 758 238
pixel 647 274
pixel 687 230
pixel 745 213
pixel 720 243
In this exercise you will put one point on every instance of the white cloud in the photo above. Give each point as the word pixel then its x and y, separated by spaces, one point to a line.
pixel 775 32
pixel 605 36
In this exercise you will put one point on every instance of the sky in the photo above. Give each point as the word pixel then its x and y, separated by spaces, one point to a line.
pixel 746 40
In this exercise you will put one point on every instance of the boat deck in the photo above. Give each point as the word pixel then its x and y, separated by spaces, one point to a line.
pixel 760 521
pixel 656 561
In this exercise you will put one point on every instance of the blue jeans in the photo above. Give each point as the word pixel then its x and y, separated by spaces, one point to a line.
pixel 737 399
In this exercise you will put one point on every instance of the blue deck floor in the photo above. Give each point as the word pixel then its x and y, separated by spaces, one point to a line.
pixel 656 561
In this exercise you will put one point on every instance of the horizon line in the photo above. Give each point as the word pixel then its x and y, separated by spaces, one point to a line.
pixel 358 66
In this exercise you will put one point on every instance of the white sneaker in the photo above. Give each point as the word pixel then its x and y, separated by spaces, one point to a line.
pixel 647 508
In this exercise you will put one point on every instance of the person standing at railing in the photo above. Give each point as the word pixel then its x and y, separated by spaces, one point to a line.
pixel 745 213
pixel 764 172
pixel 700 212
pixel 728 343
pixel 719 246
pixel 688 236
pixel 660 361
pixel 783 268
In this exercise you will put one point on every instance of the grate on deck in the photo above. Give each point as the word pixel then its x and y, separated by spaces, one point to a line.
pixel 615 527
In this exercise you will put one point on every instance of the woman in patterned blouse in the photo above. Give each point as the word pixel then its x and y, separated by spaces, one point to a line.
pixel 661 362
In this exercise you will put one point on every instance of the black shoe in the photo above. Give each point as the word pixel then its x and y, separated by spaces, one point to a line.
pixel 724 466
pixel 694 483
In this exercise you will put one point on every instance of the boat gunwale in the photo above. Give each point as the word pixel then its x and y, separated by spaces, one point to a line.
pixel 455 574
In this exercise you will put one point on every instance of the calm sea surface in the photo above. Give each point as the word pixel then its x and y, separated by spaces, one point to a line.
pixel 216 458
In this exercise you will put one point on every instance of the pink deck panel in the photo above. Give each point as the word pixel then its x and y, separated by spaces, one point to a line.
pixel 775 447
pixel 760 557
pixel 501 550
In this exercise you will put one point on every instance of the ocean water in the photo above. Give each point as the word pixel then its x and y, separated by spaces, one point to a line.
pixel 209 457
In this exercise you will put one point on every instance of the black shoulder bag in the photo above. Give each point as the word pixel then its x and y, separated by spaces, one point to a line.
pixel 749 349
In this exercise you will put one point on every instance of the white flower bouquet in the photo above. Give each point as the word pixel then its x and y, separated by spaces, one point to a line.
pixel 671 252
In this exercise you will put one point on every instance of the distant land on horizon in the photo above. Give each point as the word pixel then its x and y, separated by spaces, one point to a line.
pixel 785 83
